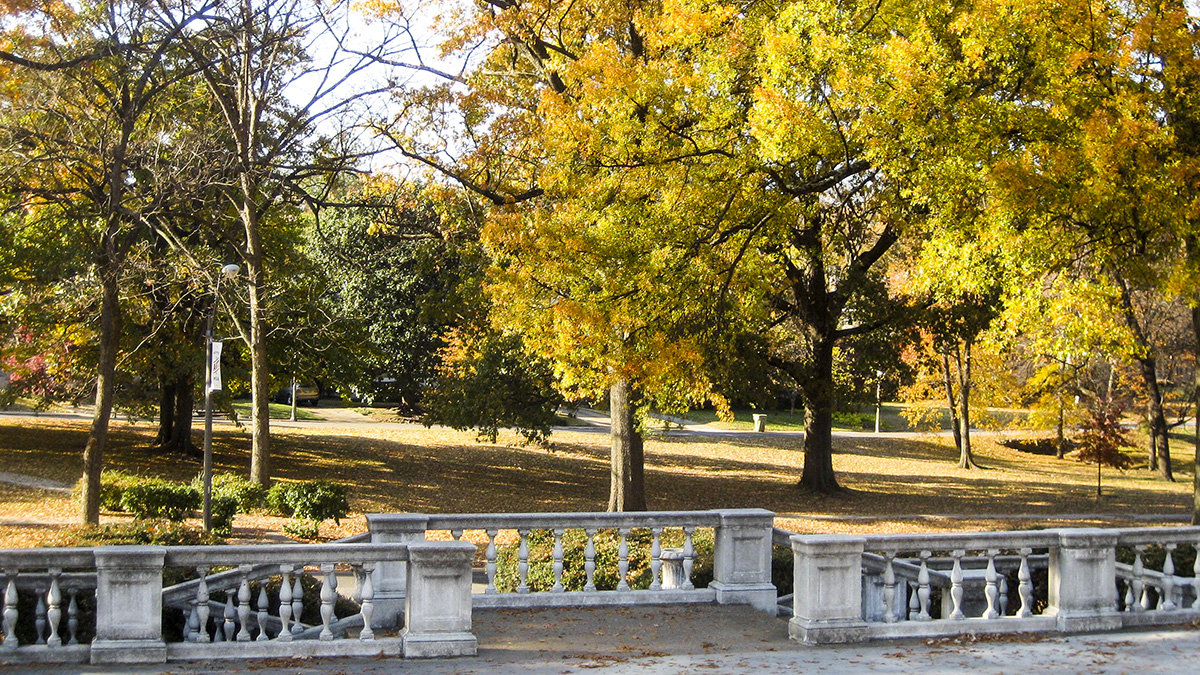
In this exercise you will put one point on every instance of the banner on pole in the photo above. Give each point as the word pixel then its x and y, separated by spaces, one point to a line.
pixel 214 380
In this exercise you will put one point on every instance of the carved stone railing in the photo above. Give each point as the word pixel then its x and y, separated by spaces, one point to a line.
pixel 55 582
pixel 741 556
pixel 253 612
pixel 852 588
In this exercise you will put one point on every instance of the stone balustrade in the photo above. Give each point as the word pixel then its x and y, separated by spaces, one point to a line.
pixel 741 555
pixel 253 599
pixel 851 588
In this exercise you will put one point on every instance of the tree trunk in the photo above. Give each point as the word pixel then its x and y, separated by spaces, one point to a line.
pixel 1159 446
pixel 166 412
pixel 951 402
pixel 963 359
pixel 626 487
pixel 1196 390
pixel 1060 439
pixel 106 369
pixel 818 475
pixel 260 449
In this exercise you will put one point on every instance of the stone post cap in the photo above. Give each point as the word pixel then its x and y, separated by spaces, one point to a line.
pixel 441 552
pixel 828 543
pixel 1088 537
pixel 749 515
pixel 397 522
pixel 130 556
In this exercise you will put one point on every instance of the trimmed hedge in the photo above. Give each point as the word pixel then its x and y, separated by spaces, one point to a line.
pixel 248 494
pixel 153 498
pixel 541 559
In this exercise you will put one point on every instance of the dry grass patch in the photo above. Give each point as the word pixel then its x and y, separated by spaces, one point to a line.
pixel 438 471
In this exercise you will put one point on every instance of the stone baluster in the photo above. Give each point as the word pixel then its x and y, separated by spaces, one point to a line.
pixel 956 586
pixel 285 604
pixel 923 590
pixel 589 559
pixel 523 562
pixel 366 594
pixel 243 608
pixel 914 603
pixel 1196 577
pixel 689 557
pixel 297 601
pixel 1003 595
pixel 1025 584
pixel 263 608
pixel 189 621
pixel 655 559
pixel 1128 597
pixel 889 587
pixel 39 615
pixel 54 611
pixel 623 560
pixel 491 561
pixel 202 609
pixel 1139 598
pixel 73 618
pixel 10 609
pixel 230 615
pixel 328 586
pixel 1167 595
pixel 991 590
pixel 558 560
pixel 457 534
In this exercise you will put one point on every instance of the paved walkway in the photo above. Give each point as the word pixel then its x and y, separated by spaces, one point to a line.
pixel 716 639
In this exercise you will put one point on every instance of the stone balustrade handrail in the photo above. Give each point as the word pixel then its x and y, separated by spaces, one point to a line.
pixel 1137 536
pixel 599 520
pixel 63 558
pixel 299 554
pixel 948 541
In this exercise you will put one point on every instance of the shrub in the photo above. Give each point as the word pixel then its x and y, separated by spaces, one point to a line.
pixel 224 508
pixel 245 492
pixel 541 559
pixel 160 499
pixel 138 532
pixel 314 500
pixel 112 485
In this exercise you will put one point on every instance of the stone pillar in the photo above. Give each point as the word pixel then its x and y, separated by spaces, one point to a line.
pixel 389 578
pixel 1083 581
pixel 129 605
pixel 760 422
pixel 827 605
pixel 742 559
pixel 437 609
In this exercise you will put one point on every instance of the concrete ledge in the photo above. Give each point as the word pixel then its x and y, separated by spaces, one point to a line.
pixel 128 651
pixel 441 645
pixel 827 632
pixel 1046 625
pixel 1158 617
pixel 1086 622
pixel 44 654
pixel 189 651
pixel 761 596
pixel 597 599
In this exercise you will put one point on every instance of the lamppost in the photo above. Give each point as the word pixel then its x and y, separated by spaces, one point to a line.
pixel 227 272
pixel 878 385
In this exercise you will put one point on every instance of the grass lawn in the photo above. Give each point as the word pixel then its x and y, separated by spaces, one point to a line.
pixel 888 480
pixel 279 411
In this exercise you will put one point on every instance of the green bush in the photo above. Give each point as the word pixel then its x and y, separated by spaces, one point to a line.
pixel 112 485
pixel 314 500
pixel 607 542
pixel 138 532
pixel 302 529
pixel 224 508
pixel 248 494
pixel 160 499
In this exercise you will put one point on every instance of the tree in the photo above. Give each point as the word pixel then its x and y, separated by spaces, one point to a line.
pixel 256 58
pixel 83 122
pixel 1103 437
